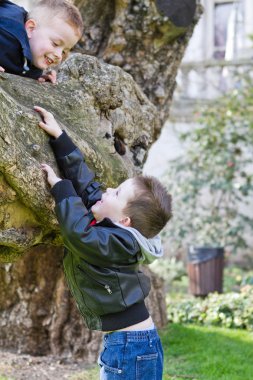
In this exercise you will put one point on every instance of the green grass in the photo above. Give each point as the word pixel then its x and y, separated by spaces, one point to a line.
pixel 91 374
pixel 208 353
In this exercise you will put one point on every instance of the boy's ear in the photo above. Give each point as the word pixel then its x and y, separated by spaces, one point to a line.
pixel 30 25
pixel 126 221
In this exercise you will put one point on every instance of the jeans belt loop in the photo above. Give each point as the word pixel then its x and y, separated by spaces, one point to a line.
pixel 150 339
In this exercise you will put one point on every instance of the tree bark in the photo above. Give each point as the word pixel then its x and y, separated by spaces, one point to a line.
pixel 113 117
pixel 136 36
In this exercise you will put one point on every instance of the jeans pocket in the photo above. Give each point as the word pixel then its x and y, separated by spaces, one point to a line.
pixel 146 367
pixel 111 360
pixel 106 370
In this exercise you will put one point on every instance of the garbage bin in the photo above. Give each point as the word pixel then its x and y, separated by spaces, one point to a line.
pixel 205 270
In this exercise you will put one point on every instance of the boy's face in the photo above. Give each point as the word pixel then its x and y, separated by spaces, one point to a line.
pixel 50 41
pixel 114 201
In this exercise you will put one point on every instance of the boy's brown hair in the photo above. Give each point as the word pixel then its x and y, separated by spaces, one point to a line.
pixel 150 210
pixel 62 8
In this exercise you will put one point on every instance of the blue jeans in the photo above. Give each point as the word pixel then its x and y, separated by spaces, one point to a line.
pixel 131 355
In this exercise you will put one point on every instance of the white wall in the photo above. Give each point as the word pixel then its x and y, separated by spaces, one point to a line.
pixel 201 44
pixel 24 3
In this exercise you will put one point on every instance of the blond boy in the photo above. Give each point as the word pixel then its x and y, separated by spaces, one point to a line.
pixel 39 40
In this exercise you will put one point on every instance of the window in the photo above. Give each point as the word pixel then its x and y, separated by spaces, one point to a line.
pixel 228 22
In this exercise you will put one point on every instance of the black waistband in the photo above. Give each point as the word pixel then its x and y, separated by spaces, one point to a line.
pixel 134 314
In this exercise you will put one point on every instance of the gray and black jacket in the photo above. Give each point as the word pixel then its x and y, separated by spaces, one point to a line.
pixel 101 260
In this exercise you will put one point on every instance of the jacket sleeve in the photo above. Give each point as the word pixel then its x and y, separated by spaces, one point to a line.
pixel 72 165
pixel 97 244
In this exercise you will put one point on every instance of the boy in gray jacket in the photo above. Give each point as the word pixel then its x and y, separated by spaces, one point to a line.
pixel 106 236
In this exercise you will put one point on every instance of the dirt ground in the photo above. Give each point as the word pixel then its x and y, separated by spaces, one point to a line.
pixel 26 367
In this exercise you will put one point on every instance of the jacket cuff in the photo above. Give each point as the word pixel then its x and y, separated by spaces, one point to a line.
pixel 62 146
pixel 63 189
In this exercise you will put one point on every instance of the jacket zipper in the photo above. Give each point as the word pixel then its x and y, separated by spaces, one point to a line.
pixel 105 286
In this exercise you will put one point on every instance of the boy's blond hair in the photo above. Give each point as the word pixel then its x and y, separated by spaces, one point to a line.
pixel 60 8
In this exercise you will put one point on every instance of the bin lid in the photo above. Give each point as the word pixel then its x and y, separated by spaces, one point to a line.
pixel 201 254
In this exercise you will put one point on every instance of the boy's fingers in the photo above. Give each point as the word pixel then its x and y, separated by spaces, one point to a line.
pixel 43 112
pixel 42 125
pixel 53 76
pixel 47 167
pixel 50 76
pixel 43 166
pixel 1 69
pixel 40 109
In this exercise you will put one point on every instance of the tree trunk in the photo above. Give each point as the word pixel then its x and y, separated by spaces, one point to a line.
pixel 139 37
pixel 114 121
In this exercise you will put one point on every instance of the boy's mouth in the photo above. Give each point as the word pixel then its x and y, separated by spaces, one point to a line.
pixel 49 61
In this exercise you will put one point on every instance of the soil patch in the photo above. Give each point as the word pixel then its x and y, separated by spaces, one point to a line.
pixel 27 367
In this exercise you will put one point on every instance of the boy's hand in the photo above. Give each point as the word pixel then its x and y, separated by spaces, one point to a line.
pixel 50 76
pixel 49 124
pixel 52 178
pixel 2 69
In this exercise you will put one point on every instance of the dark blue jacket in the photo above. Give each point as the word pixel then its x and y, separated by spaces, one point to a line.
pixel 15 53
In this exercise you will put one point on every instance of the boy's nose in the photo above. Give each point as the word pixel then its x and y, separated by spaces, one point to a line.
pixel 58 54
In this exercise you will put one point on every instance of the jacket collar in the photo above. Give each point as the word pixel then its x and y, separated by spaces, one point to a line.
pixel 17 30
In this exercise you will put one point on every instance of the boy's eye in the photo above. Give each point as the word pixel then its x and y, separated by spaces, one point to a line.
pixel 117 193
pixel 55 44
pixel 65 54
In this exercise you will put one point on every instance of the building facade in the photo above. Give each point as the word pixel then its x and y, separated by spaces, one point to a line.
pixel 222 44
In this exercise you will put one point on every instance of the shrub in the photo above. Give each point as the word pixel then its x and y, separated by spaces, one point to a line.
pixel 212 183
pixel 169 269
pixel 231 310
